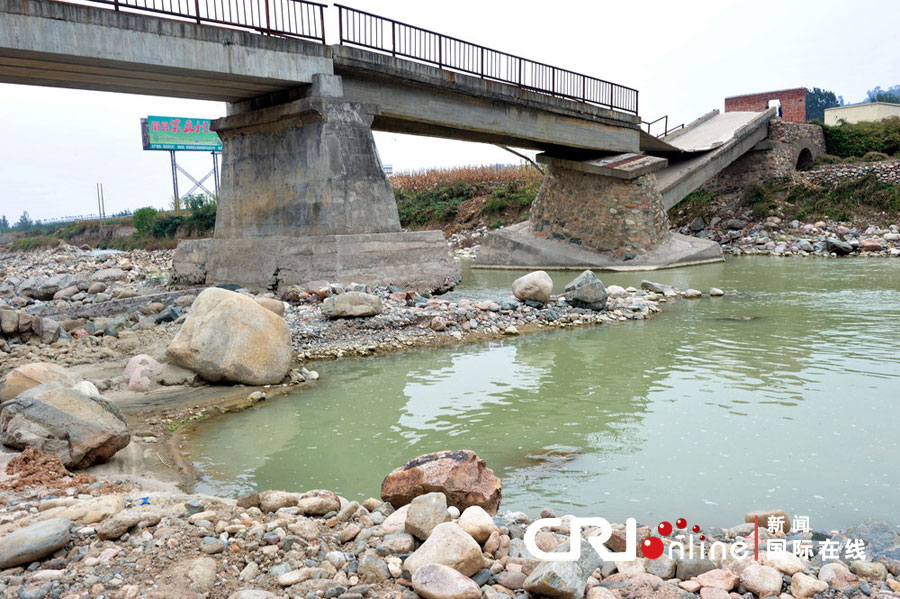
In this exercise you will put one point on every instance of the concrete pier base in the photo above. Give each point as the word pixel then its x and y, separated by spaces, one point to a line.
pixel 518 246
pixel 417 260
pixel 304 198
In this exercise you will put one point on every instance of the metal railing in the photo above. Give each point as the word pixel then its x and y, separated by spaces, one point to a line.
pixel 666 129
pixel 289 18
pixel 371 31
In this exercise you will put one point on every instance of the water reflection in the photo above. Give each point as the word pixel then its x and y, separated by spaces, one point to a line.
pixel 693 412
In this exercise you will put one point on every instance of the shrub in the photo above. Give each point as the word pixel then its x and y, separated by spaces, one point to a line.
pixel 846 200
pixel 516 195
pixel 874 156
pixel 431 205
pixel 24 244
pixel 166 225
pixel 143 220
pixel 857 139
pixel 201 219
pixel 827 159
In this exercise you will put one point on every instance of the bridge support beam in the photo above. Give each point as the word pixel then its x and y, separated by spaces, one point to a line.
pixel 304 198
pixel 590 216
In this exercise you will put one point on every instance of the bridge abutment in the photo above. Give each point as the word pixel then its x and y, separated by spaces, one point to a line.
pixel 304 198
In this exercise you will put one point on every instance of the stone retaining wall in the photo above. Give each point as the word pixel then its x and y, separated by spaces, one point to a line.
pixel 774 159
pixel 886 171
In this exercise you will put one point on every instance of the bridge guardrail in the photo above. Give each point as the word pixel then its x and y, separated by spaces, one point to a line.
pixel 290 18
pixel 367 30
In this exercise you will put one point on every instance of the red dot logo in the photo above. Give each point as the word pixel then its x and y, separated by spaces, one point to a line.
pixel 702 538
pixel 652 547
pixel 696 528
pixel 681 523
pixel 664 528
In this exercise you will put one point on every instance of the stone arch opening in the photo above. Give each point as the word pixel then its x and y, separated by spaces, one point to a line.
pixel 804 159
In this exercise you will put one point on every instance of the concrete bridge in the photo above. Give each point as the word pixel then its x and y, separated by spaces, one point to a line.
pixel 303 195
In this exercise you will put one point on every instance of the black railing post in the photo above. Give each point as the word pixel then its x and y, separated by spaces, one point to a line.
pixel 340 24
pixel 482 62
pixel 197 8
pixel 393 38
pixel 268 22
pixel 322 23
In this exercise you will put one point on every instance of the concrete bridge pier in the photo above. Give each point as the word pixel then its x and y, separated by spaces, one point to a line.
pixel 304 198
pixel 604 214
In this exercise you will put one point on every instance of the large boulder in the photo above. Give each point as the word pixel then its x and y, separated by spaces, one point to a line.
pixel 536 286
pixel 460 475
pixel 33 542
pixel 78 429
pixel 351 304
pixel 587 291
pixel 230 337
pixel 25 377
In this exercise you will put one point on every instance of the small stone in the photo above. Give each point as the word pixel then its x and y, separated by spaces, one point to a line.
pixel 477 522
pixel 437 581
pixel 869 570
pixel 716 292
pixel 450 545
pixel 720 579
pixel 212 545
pixel 803 585
pixel 762 580
pixel 426 512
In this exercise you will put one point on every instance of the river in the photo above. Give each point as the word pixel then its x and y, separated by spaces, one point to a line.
pixel 786 396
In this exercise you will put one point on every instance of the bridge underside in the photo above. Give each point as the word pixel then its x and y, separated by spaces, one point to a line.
pixel 303 196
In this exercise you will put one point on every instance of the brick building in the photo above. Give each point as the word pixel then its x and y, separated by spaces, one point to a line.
pixel 793 103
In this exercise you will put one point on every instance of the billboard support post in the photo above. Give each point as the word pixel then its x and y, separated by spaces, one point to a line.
pixel 176 197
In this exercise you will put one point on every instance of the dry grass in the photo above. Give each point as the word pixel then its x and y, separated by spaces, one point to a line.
pixel 414 181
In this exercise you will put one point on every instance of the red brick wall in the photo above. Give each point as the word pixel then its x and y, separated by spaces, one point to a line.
pixel 793 103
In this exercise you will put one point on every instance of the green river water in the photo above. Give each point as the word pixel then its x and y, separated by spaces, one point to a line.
pixel 689 414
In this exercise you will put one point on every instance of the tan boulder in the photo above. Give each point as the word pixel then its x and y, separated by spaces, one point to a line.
pixel 536 286
pixel 31 375
pixel 230 337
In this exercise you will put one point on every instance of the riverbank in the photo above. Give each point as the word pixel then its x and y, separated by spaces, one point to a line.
pixel 91 538
pixel 94 314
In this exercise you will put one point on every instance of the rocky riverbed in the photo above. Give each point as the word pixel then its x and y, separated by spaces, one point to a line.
pixel 748 237
pixel 425 537
pixel 143 359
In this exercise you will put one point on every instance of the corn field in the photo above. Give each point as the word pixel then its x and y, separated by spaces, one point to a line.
pixel 414 181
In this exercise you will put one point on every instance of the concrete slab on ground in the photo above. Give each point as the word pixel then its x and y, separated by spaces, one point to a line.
pixel 517 246
pixel 419 260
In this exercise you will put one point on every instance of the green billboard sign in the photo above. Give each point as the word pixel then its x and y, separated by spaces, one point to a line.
pixel 179 133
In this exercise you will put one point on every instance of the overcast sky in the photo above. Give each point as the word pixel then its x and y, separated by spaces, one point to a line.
pixel 683 57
